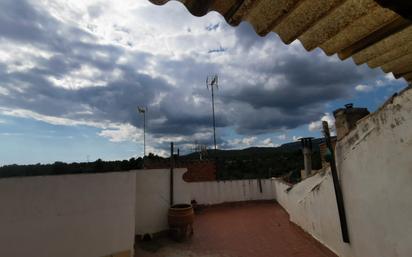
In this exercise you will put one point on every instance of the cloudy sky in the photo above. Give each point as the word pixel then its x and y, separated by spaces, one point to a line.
pixel 72 74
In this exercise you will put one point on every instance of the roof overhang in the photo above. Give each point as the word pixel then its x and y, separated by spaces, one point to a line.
pixel 365 30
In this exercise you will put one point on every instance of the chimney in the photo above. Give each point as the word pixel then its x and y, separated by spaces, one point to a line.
pixel 346 118
pixel 307 156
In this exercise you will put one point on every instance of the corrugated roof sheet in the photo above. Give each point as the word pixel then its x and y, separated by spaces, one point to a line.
pixel 361 29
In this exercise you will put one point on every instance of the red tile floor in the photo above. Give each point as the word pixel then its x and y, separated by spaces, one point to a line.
pixel 255 229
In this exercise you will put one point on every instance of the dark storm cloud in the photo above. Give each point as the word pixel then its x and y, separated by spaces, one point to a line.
pixel 19 21
pixel 116 102
pixel 305 82
pixel 180 109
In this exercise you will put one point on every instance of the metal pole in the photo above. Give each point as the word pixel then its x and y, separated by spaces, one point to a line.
pixel 144 134
pixel 214 123
pixel 143 110
pixel 336 185
pixel 171 173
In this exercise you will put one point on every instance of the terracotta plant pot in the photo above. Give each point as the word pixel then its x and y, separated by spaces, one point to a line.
pixel 180 218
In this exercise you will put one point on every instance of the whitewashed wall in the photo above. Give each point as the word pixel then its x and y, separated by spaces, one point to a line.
pixel 311 204
pixel 216 192
pixel 90 215
pixel 375 163
pixel 375 166
pixel 153 199
pixel 153 195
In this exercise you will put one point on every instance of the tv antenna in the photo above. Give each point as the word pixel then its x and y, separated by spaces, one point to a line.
pixel 142 110
pixel 212 82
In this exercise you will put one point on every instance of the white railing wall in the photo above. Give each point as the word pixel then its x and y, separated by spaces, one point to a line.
pixel 153 195
pixel 375 170
pixel 89 215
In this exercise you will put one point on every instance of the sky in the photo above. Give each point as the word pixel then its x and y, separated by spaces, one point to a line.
pixel 72 74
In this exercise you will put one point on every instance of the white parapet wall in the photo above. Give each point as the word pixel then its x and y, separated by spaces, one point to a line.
pixel 311 204
pixel 153 195
pixel 216 192
pixel 375 170
pixel 88 215
pixel 375 165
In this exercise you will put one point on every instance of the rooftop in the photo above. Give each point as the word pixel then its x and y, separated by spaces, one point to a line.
pixel 258 229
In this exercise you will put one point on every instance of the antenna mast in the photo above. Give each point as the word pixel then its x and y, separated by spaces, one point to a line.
pixel 143 110
pixel 211 83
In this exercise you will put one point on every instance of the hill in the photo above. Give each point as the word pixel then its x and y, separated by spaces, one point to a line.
pixel 249 163
pixel 260 162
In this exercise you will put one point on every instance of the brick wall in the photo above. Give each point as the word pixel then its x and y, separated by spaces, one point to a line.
pixel 197 171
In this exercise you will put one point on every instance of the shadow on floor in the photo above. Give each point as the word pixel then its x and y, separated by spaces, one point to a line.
pixel 258 229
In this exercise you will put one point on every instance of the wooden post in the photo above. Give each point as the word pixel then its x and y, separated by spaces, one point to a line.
pixel 336 185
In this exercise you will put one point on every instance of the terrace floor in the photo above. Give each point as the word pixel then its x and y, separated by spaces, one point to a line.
pixel 258 229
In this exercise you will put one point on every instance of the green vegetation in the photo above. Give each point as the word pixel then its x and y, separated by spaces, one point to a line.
pixel 59 168
pixel 258 162
pixel 250 163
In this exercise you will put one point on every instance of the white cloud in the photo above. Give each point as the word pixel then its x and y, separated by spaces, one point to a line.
pixel 85 76
pixel 238 143
pixel 122 133
pixel 21 113
pixel 20 58
pixel 386 80
pixel 282 137
pixel 115 132
pixel 389 76
pixel 364 88
pixel 248 140
pixel 317 125
pixel 4 91
pixel 268 142
pixel 241 142
pixel 380 83
pixel 296 138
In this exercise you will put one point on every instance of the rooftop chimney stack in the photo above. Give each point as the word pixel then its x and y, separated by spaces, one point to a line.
pixel 346 118
pixel 307 156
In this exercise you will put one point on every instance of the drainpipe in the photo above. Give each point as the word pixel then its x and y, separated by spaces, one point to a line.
pixel 307 156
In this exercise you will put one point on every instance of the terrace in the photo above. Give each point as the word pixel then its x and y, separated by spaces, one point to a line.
pixel 258 229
